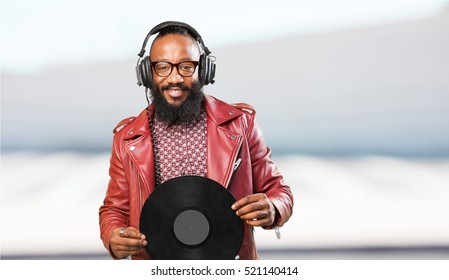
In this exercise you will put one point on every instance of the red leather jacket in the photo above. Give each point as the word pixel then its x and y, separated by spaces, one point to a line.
pixel 232 134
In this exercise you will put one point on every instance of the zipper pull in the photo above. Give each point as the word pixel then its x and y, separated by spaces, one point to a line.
pixel 236 164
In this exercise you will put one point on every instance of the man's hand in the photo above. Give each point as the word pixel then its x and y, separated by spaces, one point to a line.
pixel 256 209
pixel 130 243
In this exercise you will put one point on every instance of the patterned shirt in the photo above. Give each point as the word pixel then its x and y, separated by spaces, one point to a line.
pixel 179 149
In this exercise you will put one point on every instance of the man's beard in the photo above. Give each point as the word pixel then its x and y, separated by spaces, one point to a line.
pixel 187 112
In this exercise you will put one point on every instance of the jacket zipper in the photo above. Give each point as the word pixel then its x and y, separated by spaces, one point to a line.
pixel 140 191
pixel 234 168
pixel 236 165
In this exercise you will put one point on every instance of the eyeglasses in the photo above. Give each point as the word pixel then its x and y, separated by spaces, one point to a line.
pixel 164 68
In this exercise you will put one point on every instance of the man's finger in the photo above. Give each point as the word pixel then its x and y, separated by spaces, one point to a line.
pixel 247 200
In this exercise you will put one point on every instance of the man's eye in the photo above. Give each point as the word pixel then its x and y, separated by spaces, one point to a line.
pixel 162 67
pixel 187 67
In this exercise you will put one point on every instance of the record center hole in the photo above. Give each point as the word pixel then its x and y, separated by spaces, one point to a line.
pixel 191 227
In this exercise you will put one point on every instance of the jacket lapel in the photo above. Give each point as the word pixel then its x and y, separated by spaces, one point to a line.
pixel 223 144
pixel 140 149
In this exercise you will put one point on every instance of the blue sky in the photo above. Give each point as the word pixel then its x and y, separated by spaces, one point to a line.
pixel 41 33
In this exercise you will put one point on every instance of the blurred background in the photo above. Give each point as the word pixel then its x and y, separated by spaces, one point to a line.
pixel 352 96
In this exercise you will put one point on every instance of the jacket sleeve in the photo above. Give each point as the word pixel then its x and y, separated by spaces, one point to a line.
pixel 115 209
pixel 266 177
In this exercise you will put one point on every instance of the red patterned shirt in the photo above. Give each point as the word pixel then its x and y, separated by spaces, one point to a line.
pixel 179 149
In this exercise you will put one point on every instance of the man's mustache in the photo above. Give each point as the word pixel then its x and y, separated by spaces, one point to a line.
pixel 178 85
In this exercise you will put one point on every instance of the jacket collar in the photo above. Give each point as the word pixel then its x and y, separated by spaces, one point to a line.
pixel 218 111
pixel 140 126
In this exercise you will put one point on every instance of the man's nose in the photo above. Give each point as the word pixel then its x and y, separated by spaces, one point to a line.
pixel 174 76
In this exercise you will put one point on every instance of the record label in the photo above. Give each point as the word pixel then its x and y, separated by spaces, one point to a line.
pixel 191 227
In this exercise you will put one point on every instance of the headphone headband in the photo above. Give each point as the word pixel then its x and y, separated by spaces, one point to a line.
pixel 165 24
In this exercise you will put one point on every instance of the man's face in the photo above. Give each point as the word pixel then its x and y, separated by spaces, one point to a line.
pixel 174 48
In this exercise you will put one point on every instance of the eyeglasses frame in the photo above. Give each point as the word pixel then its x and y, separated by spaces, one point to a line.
pixel 173 65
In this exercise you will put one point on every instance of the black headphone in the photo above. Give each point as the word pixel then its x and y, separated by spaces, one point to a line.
pixel 206 64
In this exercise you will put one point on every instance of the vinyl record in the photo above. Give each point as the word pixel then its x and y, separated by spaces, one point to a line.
pixel 190 217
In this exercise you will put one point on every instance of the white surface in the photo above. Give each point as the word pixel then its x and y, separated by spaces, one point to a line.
pixel 50 202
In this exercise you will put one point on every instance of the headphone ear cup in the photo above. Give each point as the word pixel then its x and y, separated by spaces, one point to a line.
pixel 211 71
pixel 202 69
pixel 207 70
pixel 146 74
